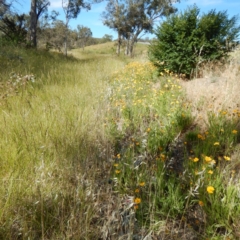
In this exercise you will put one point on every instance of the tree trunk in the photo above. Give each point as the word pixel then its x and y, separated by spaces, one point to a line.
pixel 133 40
pixel 33 24
pixel 66 38
pixel 127 50
pixel 131 47
pixel 118 44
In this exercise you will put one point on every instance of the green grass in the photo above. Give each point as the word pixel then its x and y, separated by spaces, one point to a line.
pixel 91 142
pixel 50 136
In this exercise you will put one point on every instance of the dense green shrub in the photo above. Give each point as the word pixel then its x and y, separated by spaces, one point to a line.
pixel 187 40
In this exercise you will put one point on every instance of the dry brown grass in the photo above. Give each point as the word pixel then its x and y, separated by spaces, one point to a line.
pixel 217 90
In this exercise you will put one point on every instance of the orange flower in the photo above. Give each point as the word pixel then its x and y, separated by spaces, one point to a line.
pixel 137 200
pixel 201 203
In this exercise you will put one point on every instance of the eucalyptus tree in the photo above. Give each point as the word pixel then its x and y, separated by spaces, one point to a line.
pixel 38 7
pixel 83 35
pixel 134 17
pixel 113 17
pixel 4 7
pixel 71 10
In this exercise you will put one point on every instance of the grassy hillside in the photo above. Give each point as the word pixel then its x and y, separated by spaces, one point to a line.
pixel 95 146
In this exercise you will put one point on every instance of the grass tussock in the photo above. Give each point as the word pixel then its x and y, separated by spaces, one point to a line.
pixel 99 147
pixel 52 134
pixel 217 92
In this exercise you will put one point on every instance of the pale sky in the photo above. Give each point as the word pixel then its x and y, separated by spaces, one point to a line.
pixel 92 18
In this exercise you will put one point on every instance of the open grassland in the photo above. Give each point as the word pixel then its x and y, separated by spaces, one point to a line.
pixel 100 147
pixel 109 49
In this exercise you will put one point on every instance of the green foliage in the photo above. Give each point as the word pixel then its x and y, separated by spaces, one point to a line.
pixel 131 18
pixel 187 40
pixel 14 28
pixel 107 38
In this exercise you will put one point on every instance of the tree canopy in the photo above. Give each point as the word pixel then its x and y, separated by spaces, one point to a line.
pixel 134 17
pixel 186 41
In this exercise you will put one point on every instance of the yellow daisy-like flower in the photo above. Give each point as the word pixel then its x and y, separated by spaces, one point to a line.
pixel 142 184
pixel 137 200
pixel 208 159
pixel 216 144
pixel 149 129
pixel 119 156
pixel 201 203
pixel 210 189
pixel 117 171
pixel 210 172
pixel 196 159
pixel 115 164
pixel 137 190
pixel 227 158
pixel 234 131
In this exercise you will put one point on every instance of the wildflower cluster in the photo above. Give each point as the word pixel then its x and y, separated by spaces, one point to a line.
pixel 15 84
pixel 146 112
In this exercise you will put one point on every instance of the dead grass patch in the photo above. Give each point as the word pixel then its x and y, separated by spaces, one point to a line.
pixel 217 90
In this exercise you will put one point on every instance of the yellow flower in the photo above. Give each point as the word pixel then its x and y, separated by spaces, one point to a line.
pixel 115 164
pixel 149 129
pixel 137 190
pixel 118 156
pixel 208 159
pixel 201 203
pixel 196 159
pixel 227 158
pixel 216 144
pixel 137 200
pixel 210 189
pixel 210 172
pixel 117 171
pixel 234 131
pixel 142 184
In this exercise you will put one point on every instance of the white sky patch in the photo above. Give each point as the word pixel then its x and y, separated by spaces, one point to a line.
pixel 55 3
pixel 205 2
pixel 97 8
